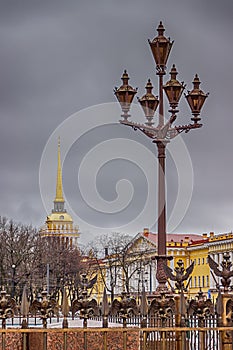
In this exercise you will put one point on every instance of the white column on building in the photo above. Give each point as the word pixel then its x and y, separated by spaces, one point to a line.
pixel 153 272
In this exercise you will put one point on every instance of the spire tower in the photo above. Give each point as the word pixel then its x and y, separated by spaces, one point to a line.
pixel 59 199
pixel 59 224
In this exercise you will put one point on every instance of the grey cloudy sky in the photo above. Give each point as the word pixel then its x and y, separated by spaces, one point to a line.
pixel 59 57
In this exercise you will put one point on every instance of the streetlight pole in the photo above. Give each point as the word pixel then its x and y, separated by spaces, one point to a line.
pixel 164 132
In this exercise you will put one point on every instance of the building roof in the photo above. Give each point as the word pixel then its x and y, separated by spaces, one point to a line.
pixel 173 237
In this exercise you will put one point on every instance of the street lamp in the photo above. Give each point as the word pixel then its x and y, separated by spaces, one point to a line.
pixel 125 94
pixel 164 132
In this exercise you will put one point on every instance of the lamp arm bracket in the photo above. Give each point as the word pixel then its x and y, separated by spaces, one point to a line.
pixel 165 133
pixel 150 131
pixel 188 127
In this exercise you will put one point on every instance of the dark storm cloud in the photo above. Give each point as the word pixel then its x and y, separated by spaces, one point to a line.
pixel 58 57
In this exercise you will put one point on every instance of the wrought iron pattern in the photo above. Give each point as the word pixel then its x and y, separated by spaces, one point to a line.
pixel 47 307
pixel 225 273
pixel 159 329
pixel 180 275
pixel 163 307
pixel 85 306
pixel 8 307
pixel 126 307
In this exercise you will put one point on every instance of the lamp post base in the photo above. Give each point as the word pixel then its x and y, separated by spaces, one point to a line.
pixel 160 273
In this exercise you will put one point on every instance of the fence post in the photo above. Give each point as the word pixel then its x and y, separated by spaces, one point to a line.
pixel 225 336
pixel 143 322
pixel 3 341
pixel 24 309
pixel 105 313
pixel 180 337
pixel 65 312
pixel 202 339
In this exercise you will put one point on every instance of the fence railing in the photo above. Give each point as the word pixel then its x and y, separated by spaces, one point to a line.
pixel 132 338
pixel 169 322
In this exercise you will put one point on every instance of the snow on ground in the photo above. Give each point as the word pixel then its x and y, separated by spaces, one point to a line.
pixel 79 324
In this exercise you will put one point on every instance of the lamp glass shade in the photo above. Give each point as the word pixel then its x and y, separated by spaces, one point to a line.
pixel 196 97
pixel 173 88
pixel 125 93
pixel 161 47
pixel 149 102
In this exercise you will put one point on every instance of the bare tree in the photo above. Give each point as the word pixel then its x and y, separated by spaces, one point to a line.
pixel 27 258
pixel 117 264
pixel 18 245
pixel 59 265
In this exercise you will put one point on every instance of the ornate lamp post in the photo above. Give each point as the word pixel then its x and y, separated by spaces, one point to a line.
pixel 164 132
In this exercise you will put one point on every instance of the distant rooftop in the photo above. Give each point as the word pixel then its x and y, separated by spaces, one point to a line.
pixel 172 237
pixel 186 238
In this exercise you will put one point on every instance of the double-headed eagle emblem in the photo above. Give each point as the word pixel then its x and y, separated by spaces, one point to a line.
pixel 226 273
pixel 181 275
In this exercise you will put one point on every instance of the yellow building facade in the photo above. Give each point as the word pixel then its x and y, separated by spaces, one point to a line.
pixel 186 247
pixel 197 252
pixel 177 249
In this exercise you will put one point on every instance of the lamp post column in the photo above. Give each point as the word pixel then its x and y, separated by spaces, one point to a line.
pixel 161 198
pixel 161 246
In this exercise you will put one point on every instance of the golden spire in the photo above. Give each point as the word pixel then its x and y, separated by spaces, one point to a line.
pixel 59 194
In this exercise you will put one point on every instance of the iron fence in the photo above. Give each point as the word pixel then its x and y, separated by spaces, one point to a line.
pixel 169 322
pixel 133 338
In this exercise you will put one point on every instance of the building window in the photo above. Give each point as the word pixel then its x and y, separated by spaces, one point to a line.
pixel 194 261
pixel 199 261
pixel 195 282
pixel 203 281
pixel 203 261
pixel 191 282
pixel 207 281
pixel 199 281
